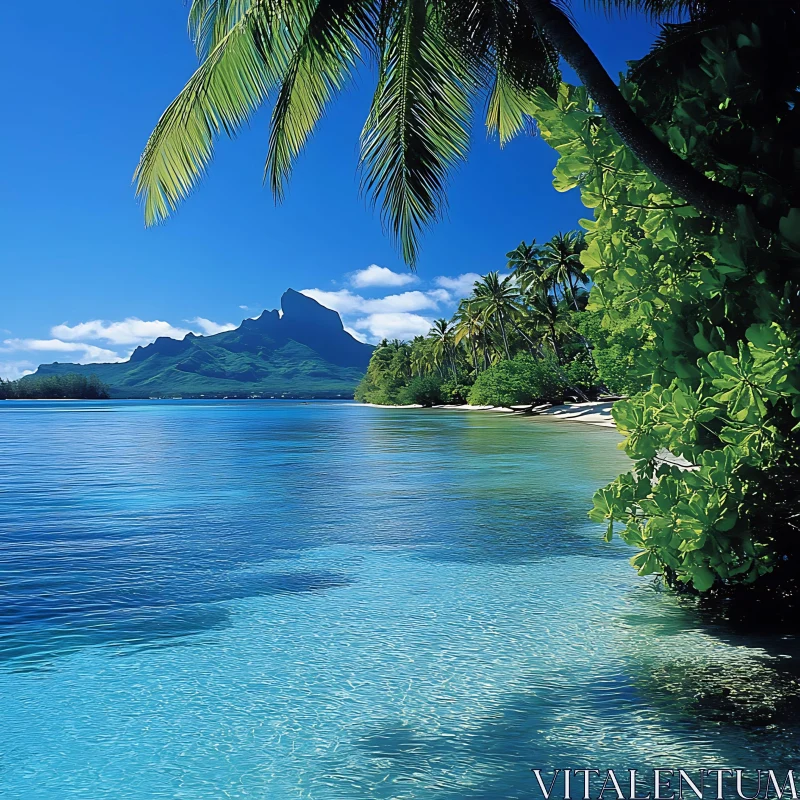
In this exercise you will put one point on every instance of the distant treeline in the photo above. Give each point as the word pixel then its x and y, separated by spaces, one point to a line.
pixel 55 387
pixel 522 338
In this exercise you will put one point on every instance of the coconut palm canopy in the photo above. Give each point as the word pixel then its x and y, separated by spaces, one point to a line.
pixel 435 62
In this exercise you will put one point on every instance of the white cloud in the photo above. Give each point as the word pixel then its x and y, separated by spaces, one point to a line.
pixel 135 331
pixel 245 308
pixel 356 334
pixel 131 331
pixel 343 301
pixel 394 325
pixel 13 370
pixel 374 275
pixel 461 285
pixel 441 295
pixel 390 317
pixel 407 301
pixel 210 328
pixel 87 353
pixel 346 302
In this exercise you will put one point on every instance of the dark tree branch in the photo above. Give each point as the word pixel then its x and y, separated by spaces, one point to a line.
pixel 707 196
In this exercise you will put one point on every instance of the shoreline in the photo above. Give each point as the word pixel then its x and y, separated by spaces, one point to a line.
pixel 592 413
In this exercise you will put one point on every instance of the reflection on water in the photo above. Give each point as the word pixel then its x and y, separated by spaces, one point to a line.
pixel 328 601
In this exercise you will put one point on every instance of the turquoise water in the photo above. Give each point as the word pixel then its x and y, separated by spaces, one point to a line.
pixel 284 600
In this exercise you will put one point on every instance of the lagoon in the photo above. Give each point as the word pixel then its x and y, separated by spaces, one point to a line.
pixel 235 599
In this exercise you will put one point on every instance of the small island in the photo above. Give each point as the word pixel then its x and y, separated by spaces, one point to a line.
pixel 55 387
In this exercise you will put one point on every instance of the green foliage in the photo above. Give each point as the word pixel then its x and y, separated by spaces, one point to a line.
pixel 454 392
pixel 387 375
pixel 521 380
pixel 424 390
pixel 516 340
pixel 517 337
pixel 581 372
pixel 719 302
pixel 54 387
pixel 428 371
pixel 616 339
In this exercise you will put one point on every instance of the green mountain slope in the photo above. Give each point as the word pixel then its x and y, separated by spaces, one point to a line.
pixel 303 352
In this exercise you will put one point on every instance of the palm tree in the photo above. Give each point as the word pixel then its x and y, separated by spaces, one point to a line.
pixel 561 260
pixel 434 60
pixel 400 364
pixel 548 316
pixel 469 327
pixel 441 335
pixel 421 361
pixel 498 299
pixel 525 265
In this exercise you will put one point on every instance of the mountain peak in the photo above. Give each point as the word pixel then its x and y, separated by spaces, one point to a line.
pixel 306 349
pixel 301 309
pixel 309 322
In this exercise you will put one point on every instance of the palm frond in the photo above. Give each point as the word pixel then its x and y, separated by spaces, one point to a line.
pixel 211 20
pixel 324 56
pixel 418 126
pixel 504 48
pixel 517 69
pixel 654 9
pixel 228 86
pixel 201 25
pixel 509 110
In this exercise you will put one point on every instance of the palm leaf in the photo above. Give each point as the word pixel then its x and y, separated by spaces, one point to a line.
pixel 418 126
pixel 509 110
pixel 228 86
pixel 516 68
pixel 323 59
pixel 201 25
pixel 211 20
pixel 656 9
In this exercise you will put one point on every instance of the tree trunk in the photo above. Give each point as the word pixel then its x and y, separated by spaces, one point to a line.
pixel 554 342
pixel 505 340
pixel 528 339
pixel 574 292
pixel 707 196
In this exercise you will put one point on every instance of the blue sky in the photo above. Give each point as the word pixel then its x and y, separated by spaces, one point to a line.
pixel 83 279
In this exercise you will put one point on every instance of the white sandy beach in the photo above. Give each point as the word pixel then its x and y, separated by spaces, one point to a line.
pixel 594 413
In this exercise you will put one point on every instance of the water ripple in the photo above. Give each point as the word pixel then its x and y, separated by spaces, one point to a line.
pixel 326 601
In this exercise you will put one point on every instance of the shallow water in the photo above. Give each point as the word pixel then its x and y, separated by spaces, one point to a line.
pixel 286 600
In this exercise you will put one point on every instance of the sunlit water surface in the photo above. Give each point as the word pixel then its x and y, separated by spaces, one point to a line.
pixel 286 600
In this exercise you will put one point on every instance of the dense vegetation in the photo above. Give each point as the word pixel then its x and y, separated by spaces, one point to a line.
pixel 723 366
pixel 54 387
pixel 522 338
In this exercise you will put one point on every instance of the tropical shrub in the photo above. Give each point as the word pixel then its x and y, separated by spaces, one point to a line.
pixel 455 392
pixel 387 374
pixel 615 341
pixel 721 301
pixel 580 372
pixel 424 390
pixel 521 380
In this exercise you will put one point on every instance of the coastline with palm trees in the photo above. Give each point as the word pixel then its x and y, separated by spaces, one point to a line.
pixel 525 341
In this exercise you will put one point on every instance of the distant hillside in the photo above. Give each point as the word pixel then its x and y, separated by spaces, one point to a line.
pixel 305 352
